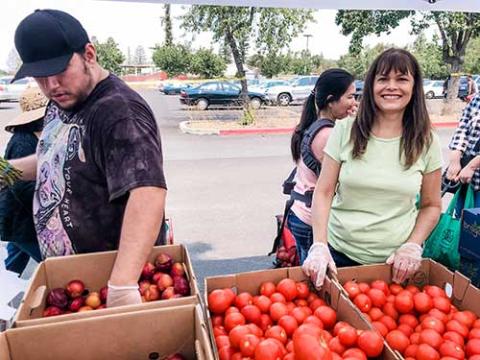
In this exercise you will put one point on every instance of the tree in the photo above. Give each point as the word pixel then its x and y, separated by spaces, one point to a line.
pixel 455 29
pixel 429 55
pixel 270 64
pixel 13 61
pixel 472 56
pixel 109 55
pixel 175 59
pixel 140 58
pixel 167 23
pixel 270 29
pixel 357 63
pixel 207 64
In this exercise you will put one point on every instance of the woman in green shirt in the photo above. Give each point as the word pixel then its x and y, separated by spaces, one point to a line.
pixel 363 207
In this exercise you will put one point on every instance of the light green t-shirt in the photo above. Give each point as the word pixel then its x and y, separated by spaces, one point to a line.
pixel 373 211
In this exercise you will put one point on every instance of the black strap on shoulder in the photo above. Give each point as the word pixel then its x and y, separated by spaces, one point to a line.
pixel 288 183
pixel 308 156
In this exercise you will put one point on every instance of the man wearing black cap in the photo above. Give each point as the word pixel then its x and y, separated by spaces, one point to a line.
pixel 98 166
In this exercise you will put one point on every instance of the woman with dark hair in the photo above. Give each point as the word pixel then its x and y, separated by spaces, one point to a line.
pixel 332 98
pixel 374 166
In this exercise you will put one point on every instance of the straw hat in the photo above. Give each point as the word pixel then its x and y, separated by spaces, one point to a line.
pixel 33 104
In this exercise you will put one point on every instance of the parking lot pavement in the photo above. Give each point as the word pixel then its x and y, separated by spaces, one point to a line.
pixel 223 191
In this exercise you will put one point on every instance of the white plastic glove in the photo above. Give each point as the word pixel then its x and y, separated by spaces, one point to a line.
pixel 316 263
pixel 406 260
pixel 123 295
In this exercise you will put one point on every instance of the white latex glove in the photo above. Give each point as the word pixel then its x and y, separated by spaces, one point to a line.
pixel 406 260
pixel 123 295
pixel 316 264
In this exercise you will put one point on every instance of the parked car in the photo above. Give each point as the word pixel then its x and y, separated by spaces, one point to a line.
pixel 218 93
pixel 12 92
pixel 173 88
pixel 358 88
pixel 433 88
pixel 264 85
pixel 297 90
pixel 462 89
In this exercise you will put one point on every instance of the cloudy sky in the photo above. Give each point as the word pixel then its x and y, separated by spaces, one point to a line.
pixel 139 24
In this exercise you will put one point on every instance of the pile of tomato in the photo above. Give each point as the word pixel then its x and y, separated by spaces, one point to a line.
pixel 285 321
pixel 420 323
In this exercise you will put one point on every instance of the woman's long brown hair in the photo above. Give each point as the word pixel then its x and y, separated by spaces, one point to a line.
pixel 416 133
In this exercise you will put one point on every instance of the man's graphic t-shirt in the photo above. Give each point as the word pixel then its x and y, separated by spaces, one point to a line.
pixel 88 161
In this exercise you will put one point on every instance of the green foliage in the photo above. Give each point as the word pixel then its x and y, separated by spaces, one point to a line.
pixel 109 55
pixel 207 64
pixel 271 64
pixel 472 57
pixel 429 55
pixel 174 60
pixel 358 63
pixel 167 24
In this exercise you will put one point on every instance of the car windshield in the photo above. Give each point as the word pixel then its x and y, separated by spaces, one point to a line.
pixel 427 82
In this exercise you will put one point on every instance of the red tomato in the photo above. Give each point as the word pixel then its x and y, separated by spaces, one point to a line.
pixel 347 336
pixel 415 338
pixel 289 356
pixel 219 330
pixel 413 289
pixel 430 322
pixel 232 320
pixel 363 302
pixel 377 296
pixel 312 319
pixel 263 303
pixel 390 310
pixel 375 313
pixel 352 289
pixel 218 301
pixel 265 322
pixel 268 349
pixel 277 332
pixel 442 303
pixel 472 347
pixel 411 351
pixel 237 356
pixel 336 346
pixel 307 329
pixel 354 353
pixel 217 320
pixel 237 333
pixel 454 336
pixel 327 315
pixel 288 288
pixel 397 340
pixel 454 325
pixel 380 285
pixel 221 341
pixel 404 302
pixel 380 327
pixel 289 323
pixel 226 353
pixel 476 323
pixel 277 297
pixel 464 318
pixel 449 348
pixel 312 296
pixel 299 314
pixel 426 352
pixel 248 344
pixel 255 330
pixel 317 303
pixel 409 320
pixel 290 306
pixel 267 288
pixel 338 326
pixel 474 333
pixel 306 347
pixel 243 299
pixel 251 313
pixel 434 291
pixel 301 302
pixel 231 309
pixel 277 310
pixel 371 343
pixel 438 314
pixel 431 337
pixel 363 286
pixel 388 322
pixel 395 289
pixel 302 290
pixel 407 330
pixel 423 302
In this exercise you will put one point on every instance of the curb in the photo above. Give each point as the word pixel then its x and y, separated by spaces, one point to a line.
pixel 185 128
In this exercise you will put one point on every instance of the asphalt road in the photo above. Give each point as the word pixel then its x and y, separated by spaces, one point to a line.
pixel 223 191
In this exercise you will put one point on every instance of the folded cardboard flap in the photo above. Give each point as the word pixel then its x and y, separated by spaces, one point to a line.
pixel 122 336
pixel 95 270
pixel 4 349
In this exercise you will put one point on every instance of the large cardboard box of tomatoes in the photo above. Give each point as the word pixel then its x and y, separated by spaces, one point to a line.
pixel 168 333
pixel 433 315
pixel 275 314
pixel 82 277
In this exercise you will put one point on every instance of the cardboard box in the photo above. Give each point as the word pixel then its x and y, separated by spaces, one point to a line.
pixel 251 281
pixel 469 246
pixel 127 336
pixel 463 295
pixel 94 269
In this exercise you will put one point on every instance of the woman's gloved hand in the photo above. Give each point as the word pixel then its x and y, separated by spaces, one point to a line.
pixel 406 260
pixel 123 295
pixel 316 264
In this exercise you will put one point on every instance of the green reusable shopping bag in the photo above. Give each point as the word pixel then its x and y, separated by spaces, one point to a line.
pixel 442 244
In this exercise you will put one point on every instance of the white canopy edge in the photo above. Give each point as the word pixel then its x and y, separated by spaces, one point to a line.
pixel 421 5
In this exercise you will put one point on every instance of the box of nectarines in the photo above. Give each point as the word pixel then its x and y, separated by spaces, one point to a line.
pixel 432 315
pixel 177 333
pixel 276 314
pixel 74 287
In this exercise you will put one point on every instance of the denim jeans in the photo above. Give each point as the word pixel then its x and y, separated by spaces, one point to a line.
pixel 19 254
pixel 303 235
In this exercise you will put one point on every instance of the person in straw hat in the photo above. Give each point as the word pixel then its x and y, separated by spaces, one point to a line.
pixel 16 218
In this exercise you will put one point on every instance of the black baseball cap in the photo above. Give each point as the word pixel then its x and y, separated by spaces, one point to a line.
pixel 46 41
